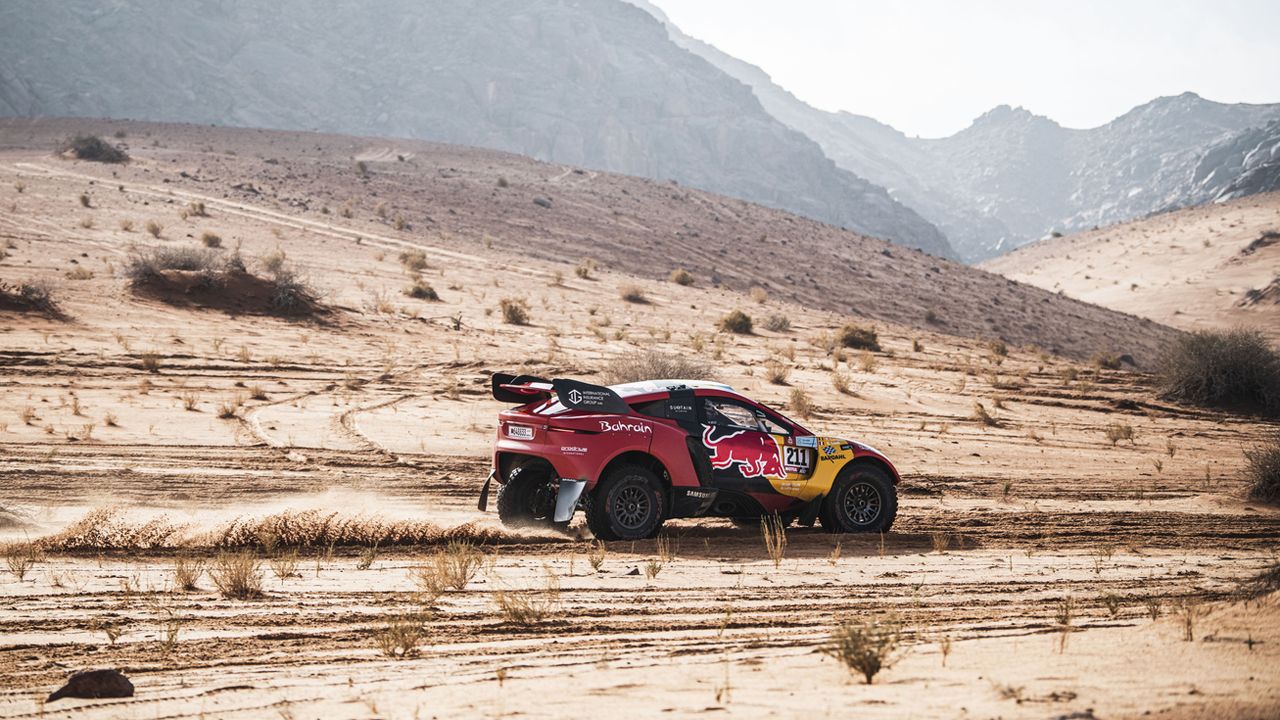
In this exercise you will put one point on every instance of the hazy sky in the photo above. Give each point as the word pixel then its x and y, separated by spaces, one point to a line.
pixel 928 67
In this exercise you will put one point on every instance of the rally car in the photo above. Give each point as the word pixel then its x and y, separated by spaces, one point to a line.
pixel 635 455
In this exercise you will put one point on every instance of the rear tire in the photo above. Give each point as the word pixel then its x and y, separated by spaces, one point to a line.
pixel 528 498
pixel 863 499
pixel 629 504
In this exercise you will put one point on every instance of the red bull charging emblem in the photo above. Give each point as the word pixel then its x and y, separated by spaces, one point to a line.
pixel 755 454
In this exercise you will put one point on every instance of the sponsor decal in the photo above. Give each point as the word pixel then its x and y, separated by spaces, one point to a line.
pixel 828 449
pixel 846 446
pixel 520 432
pixel 572 450
pixel 606 426
pixel 755 454
pixel 700 494
pixel 575 397
pixel 807 441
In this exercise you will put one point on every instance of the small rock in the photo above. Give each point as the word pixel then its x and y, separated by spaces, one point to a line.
pixel 542 202
pixel 634 571
pixel 95 684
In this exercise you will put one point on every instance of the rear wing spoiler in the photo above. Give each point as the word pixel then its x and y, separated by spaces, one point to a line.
pixel 572 394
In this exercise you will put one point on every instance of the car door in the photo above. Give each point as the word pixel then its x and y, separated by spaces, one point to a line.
pixel 744 457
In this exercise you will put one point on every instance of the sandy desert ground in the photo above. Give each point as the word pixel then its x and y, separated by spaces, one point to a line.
pixel 1195 269
pixel 136 431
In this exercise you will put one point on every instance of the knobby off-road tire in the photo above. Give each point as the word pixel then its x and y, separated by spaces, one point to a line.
pixel 629 504
pixel 863 499
pixel 528 498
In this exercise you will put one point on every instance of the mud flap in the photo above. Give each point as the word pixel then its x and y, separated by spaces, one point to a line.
pixel 483 504
pixel 567 499
pixel 810 512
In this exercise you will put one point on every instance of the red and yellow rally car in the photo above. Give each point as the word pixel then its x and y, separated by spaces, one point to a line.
pixel 634 455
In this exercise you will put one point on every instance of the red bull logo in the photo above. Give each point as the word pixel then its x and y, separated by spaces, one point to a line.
pixel 755 454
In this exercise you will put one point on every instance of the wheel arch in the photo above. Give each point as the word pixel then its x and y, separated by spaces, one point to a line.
pixel 508 462
pixel 873 461
pixel 641 458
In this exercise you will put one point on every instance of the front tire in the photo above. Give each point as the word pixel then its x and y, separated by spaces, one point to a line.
pixel 629 504
pixel 863 499
pixel 528 498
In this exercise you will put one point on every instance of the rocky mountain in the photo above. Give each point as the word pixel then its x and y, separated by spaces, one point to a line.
pixel 594 83
pixel 1013 176
pixel 1244 164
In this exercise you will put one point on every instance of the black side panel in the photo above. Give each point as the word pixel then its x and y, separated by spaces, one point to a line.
pixel 701 461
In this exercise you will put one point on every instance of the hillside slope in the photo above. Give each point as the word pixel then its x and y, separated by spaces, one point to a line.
pixel 510 207
pixel 595 84
pixel 1211 266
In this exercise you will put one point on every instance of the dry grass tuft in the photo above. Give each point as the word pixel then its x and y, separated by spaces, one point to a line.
pixel 1115 432
pixel 20 558
pixel 187 572
pixel 774 533
pixel 527 607
pixel 1262 470
pixel 400 637
pixel 776 372
pixel 800 403
pixel 866 647
pixel 238 576
pixel 981 415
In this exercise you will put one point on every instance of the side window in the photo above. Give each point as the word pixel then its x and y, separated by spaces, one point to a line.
pixel 653 408
pixel 772 426
pixel 719 411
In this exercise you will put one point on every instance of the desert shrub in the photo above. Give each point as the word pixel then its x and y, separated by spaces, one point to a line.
pixel 146 265
pixel 1235 369
pixel 210 240
pixel 92 147
pixel 633 294
pixel 414 260
pixel 759 294
pixel 1115 432
pixel 736 322
pixel 421 290
pixel 777 323
pixel 274 261
pixel 238 576
pixel 681 276
pixel 529 607
pixel 514 311
pixel 154 228
pixel 585 268
pixel 859 338
pixel 1106 361
pixel 800 403
pixel 1262 470
pixel 292 293
pixel 776 372
pixel 866 647
pixel 35 295
pixel 981 414
pixel 399 638
pixel 186 573
pixel 654 365
pixel 998 348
